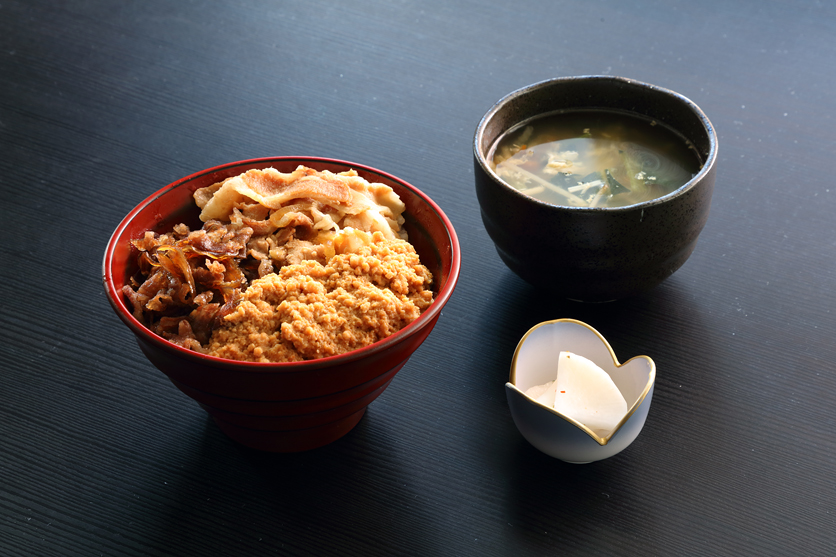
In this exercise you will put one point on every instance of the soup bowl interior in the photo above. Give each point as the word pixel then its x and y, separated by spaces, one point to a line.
pixel 294 406
pixel 595 253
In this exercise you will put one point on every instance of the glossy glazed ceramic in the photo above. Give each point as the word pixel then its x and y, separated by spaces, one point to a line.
pixel 535 363
pixel 284 407
pixel 595 254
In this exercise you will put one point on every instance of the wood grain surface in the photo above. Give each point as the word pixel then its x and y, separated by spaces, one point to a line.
pixel 104 102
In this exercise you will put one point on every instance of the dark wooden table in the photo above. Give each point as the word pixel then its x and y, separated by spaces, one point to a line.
pixel 103 103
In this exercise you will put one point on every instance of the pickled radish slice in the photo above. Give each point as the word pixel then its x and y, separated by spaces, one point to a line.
pixel 544 394
pixel 587 394
pixel 584 392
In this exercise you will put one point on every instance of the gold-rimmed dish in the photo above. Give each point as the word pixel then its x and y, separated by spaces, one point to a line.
pixel 557 435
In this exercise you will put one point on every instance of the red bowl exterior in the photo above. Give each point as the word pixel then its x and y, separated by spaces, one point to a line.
pixel 302 421
pixel 295 440
pixel 293 408
pixel 283 407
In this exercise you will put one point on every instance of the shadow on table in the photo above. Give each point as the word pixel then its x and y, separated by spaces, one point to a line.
pixel 634 326
pixel 230 496
pixel 550 500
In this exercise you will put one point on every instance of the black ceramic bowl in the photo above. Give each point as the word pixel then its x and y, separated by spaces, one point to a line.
pixel 595 254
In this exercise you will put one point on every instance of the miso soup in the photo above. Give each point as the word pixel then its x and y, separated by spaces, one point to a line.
pixel 594 158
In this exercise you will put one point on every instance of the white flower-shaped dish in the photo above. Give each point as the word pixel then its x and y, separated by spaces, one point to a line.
pixel 535 363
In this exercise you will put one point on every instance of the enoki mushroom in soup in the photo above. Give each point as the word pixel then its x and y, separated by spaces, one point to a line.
pixel 288 266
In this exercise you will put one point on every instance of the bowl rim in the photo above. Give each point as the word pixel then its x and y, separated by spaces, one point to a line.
pixel 601 440
pixel 708 164
pixel 117 301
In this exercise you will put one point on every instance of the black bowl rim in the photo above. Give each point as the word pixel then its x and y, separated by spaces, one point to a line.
pixel 117 301
pixel 707 166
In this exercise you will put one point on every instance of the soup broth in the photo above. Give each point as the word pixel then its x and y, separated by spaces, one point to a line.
pixel 594 158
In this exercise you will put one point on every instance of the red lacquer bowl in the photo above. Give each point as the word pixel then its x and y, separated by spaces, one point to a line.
pixel 296 406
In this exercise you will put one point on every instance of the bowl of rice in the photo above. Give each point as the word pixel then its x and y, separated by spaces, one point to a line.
pixel 282 294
